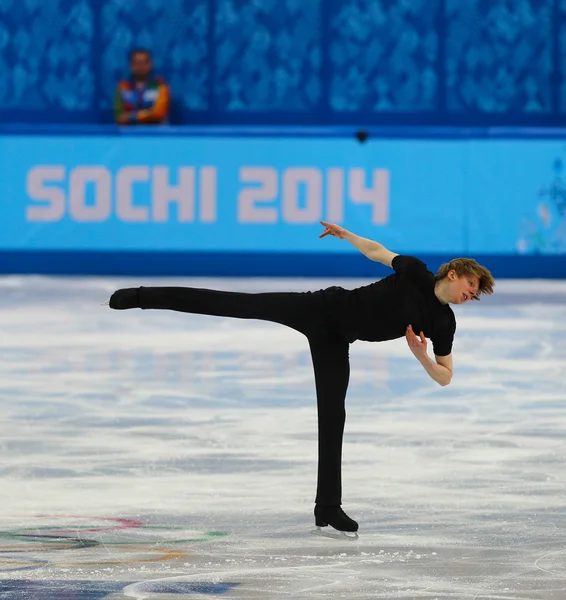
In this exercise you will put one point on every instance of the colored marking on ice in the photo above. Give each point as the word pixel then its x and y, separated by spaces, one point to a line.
pixel 165 554
pixel 190 587
pixel 45 542
pixel 121 523
pixel 27 564
pixel 50 536
pixel 97 590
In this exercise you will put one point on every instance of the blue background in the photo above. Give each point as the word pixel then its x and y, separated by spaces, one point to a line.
pixel 487 197
pixel 472 62
pixel 427 182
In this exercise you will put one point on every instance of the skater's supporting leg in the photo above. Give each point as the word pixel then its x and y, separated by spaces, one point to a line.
pixel 332 372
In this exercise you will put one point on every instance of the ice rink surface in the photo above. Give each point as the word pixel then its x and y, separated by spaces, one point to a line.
pixel 160 455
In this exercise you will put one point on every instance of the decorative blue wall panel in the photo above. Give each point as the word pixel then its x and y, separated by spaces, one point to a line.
pixel 383 55
pixel 560 41
pixel 499 56
pixel 267 55
pixel 46 54
pixel 457 62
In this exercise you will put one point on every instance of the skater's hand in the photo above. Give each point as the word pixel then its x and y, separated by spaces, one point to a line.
pixel 416 344
pixel 334 230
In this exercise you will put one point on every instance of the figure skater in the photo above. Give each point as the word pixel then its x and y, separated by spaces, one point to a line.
pixel 410 300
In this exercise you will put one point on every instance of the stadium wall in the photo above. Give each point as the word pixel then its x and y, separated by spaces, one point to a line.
pixel 248 201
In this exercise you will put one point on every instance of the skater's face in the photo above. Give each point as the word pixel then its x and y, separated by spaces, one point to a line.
pixel 463 288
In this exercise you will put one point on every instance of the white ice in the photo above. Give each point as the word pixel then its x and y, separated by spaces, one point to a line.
pixel 191 424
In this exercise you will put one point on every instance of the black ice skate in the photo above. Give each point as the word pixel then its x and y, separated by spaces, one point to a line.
pixel 124 299
pixel 343 526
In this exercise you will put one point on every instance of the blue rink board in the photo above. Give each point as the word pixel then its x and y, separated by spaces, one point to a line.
pixel 243 204
pixel 254 265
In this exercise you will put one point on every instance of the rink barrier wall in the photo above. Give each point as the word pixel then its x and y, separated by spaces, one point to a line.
pixel 201 264
pixel 246 201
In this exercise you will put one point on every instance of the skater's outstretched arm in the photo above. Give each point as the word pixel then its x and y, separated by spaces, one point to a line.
pixel 373 250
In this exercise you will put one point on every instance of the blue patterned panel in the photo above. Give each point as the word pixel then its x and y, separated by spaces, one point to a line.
pixel 267 55
pixel 383 55
pixel 562 49
pixel 499 56
pixel 45 54
pixel 174 31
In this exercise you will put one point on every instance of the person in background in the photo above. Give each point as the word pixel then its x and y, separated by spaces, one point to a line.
pixel 144 98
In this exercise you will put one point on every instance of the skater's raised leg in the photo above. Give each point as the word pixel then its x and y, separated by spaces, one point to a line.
pixel 299 310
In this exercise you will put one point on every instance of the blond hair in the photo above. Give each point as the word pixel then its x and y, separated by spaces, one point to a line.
pixel 468 266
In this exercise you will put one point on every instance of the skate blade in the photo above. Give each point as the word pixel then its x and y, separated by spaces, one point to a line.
pixel 336 535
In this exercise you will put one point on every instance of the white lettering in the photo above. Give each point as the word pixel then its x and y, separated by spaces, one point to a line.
pixel 307 194
pixel 163 193
pixel 248 210
pixel 125 209
pixel 53 195
pixel 377 195
pixel 335 196
pixel 207 199
pixel 101 209
pixel 311 180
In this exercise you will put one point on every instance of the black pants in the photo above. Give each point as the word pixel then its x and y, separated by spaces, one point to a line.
pixel 304 312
